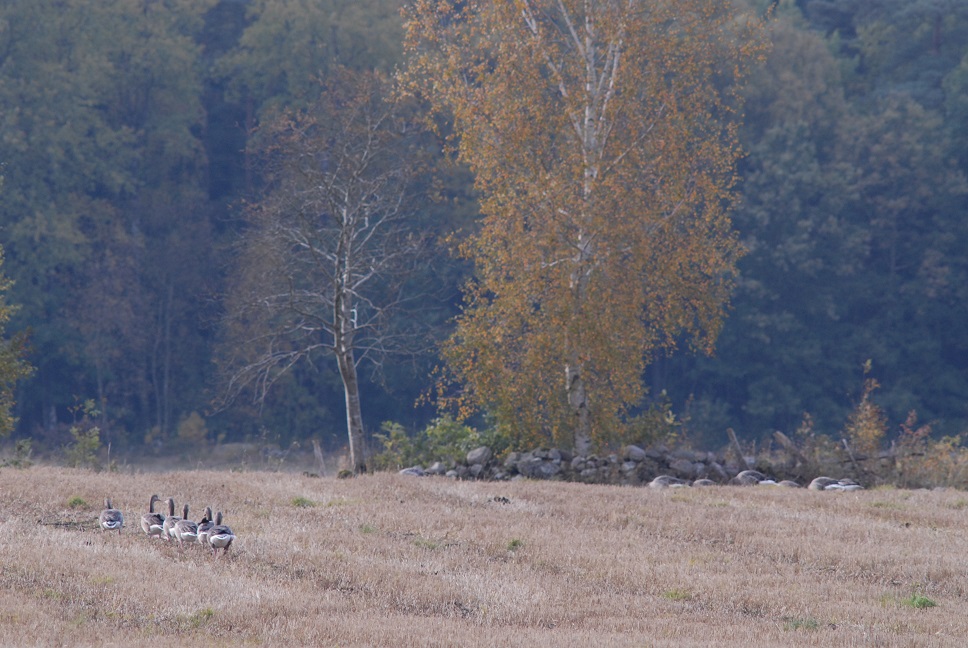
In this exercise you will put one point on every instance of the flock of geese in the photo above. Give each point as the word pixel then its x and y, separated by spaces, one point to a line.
pixel 209 531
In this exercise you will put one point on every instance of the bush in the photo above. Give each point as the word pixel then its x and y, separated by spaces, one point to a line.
pixel 444 440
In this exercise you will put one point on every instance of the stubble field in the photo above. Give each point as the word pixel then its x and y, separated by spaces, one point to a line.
pixel 388 560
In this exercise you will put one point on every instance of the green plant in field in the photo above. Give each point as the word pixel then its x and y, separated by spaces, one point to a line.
pixel 677 594
pixel 515 543
pixel 367 528
pixel 76 502
pixel 302 502
pixel 82 453
pixel 795 623
pixel 919 601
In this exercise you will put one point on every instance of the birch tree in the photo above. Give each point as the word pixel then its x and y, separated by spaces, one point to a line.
pixel 601 136
pixel 330 246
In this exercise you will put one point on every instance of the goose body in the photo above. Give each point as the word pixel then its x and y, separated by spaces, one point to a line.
pixel 153 523
pixel 111 518
pixel 185 529
pixel 220 536
pixel 168 527
pixel 205 526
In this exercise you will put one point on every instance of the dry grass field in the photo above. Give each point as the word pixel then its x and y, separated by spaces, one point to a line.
pixel 387 560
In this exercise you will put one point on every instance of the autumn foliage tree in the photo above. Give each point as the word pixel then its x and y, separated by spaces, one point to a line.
pixel 602 139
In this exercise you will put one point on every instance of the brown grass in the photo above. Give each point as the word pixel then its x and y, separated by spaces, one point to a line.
pixel 387 560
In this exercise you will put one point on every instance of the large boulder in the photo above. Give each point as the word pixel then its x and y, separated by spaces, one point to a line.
pixel 479 455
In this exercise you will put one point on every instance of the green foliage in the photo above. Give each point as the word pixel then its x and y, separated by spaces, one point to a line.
pixel 919 601
pixel 514 544
pixel 677 594
pixel 13 364
pixel 443 440
pixel 302 502
pixel 21 455
pixel 656 424
pixel 76 502
pixel 83 452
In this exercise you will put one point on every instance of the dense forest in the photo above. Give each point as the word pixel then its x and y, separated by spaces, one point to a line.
pixel 132 141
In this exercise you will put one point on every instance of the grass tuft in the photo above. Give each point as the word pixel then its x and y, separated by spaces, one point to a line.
pixel 919 601
pixel 76 502
pixel 302 502
pixel 794 623
pixel 677 594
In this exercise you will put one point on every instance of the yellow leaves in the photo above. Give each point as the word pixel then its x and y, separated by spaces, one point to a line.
pixel 592 131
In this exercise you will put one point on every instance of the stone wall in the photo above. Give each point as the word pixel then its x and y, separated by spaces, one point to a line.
pixel 657 467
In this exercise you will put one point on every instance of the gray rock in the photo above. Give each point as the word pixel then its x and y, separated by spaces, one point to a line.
pixel 748 478
pixel 820 483
pixel 682 453
pixel 629 467
pixel 634 453
pixel 479 455
pixel 716 469
pixel 437 469
pixel 683 468
pixel 666 481
pixel 475 470
pixel 512 459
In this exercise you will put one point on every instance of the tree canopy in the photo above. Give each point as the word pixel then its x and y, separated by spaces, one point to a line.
pixel 130 135
pixel 601 143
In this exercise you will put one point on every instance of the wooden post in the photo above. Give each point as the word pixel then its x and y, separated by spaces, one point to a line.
pixel 734 442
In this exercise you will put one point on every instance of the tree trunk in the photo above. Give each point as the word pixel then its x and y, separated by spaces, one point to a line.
pixel 578 400
pixel 344 333
pixel 575 368
pixel 354 411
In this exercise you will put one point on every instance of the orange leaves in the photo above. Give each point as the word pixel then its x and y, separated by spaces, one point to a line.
pixel 596 134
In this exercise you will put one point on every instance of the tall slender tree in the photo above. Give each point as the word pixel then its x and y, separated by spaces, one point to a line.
pixel 601 137
pixel 331 245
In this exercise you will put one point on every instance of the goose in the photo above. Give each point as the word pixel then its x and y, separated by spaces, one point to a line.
pixel 111 518
pixel 185 529
pixel 151 522
pixel 205 526
pixel 220 536
pixel 168 528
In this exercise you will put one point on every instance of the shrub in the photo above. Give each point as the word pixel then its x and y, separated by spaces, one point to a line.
pixel 867 423
pixel 443 440
pixel 83 452
pixel 192 430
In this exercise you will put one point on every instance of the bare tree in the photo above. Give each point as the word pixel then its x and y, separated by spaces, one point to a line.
pixel 325 262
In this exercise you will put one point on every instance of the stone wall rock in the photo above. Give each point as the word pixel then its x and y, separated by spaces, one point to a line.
pixel 656 466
